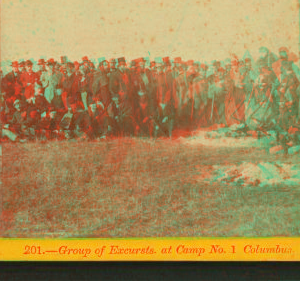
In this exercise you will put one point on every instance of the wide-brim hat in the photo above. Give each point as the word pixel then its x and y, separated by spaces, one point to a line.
pixel 283 49
pixel 85 59
pixel 41 62
pixel 28 63
pixel 216 63
pixel 121 60
pixel 141 60
pixel 203 66
pixel 50 62
pixel 166 61
pixel 63 59
pixel 177 60
pixel 190 62
pixel 15 64
pixel 70 64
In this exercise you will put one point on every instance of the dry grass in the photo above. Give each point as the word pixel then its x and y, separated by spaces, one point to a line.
pixel 137 188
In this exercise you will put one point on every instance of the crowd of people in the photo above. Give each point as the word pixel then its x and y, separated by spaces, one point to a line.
pixel 81 100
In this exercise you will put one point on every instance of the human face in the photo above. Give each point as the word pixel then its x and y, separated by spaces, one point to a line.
pixel 28 68
pixel 248 65
pixel 105 66
pixel 15 69
pixel 82 69
pixel 122 66
pixel 159 68
pixel 142 65
pixel 202 72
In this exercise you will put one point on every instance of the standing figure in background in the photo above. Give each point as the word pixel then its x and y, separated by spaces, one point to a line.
pixel 50 80
pixel 121 91
pixel 28 79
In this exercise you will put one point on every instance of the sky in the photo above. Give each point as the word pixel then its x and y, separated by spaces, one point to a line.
pixel 201 30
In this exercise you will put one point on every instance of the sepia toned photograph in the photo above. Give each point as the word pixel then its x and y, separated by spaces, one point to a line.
pixel 139 118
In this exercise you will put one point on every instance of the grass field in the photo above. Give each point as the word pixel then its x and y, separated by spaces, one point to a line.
pixel 138 188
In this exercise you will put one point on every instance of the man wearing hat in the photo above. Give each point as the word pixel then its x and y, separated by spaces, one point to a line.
pixel 19 124
pixel 287 96
pixel 181 87
pixel 22 67
pixel 200 98
pixel 112 66
pixel 42 68
pixel 11 85
pixel 143 95
pixel 102 98
pixel 177 67
pixel 36 107
pixel 51 80
pixel 165 100
pixel 28 79
pixel 261 109
pixel 86 64
pixel 121 91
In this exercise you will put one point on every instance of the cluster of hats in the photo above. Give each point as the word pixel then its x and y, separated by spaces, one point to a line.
pixel 264 54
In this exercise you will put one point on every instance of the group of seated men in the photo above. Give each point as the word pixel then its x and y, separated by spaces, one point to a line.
pixel 71 100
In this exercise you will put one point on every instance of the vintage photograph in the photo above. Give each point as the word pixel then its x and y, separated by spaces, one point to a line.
pixel 140 118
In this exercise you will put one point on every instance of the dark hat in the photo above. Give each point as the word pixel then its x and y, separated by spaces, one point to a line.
pixel 140 60
pixel 70 64
pixel 63 59
pixel 102 62
pixel 22 63
pixel 166 60
pixel 133 63
pixel 177 60
pixel 41 62
pixel 190 62
pixel 50 62
pixel 85 59
pixel 283 49
pixel 204 66
pixel 76 63
pixel 28 62
pixel 216 63
pixel 112 61
pixel 15 64
pixel 221 69
pixel 121 60
pixel 152 63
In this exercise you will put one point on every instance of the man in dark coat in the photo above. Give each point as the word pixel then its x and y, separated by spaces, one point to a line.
pixel 28 79
pixel 11 85
pixel 120 89
pixel 165 100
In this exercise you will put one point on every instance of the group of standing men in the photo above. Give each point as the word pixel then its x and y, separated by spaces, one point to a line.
pixel 72 100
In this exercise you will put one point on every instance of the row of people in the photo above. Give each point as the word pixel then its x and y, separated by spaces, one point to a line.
pixel 76 100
